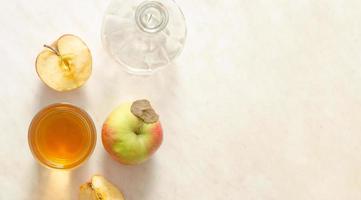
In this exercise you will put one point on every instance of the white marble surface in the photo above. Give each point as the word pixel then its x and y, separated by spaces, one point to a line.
pixel 264 102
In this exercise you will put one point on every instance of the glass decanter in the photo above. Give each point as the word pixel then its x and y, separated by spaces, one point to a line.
pixel 143 36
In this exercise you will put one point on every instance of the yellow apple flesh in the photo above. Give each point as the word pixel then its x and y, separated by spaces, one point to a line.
pixel 99 189
pixel 66 64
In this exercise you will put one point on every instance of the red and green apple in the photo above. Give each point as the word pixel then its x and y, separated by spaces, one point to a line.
pixel 132 132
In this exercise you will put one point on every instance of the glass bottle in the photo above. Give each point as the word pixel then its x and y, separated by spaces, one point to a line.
pixel 143 36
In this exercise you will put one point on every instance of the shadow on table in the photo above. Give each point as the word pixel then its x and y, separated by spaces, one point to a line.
pixel 135 182
pixel 48 96
pixel 57 184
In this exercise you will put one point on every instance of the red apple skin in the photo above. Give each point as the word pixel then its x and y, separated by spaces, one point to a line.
pixel 120 143
pixel 157 137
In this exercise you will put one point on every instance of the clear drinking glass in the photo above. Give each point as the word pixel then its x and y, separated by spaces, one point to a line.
pixel 143 35
pixel 62 136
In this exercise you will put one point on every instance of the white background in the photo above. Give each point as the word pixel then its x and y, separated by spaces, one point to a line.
pixel 263 103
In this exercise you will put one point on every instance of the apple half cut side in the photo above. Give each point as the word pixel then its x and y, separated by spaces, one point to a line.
pixel 66 64
pixel 99 189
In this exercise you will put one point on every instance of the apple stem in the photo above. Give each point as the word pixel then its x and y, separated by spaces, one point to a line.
pixel 52 49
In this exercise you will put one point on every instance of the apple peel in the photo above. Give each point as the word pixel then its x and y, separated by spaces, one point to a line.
pixel 144 111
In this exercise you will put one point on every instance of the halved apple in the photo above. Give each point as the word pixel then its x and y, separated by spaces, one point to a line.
pixel 99 189
pixel 66 64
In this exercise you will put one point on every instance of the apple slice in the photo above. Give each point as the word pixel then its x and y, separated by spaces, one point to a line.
pixel 99 189
pixel 66 64
pixel 87 192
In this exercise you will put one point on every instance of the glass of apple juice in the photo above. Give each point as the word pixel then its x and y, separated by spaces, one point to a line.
pixel 61 136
